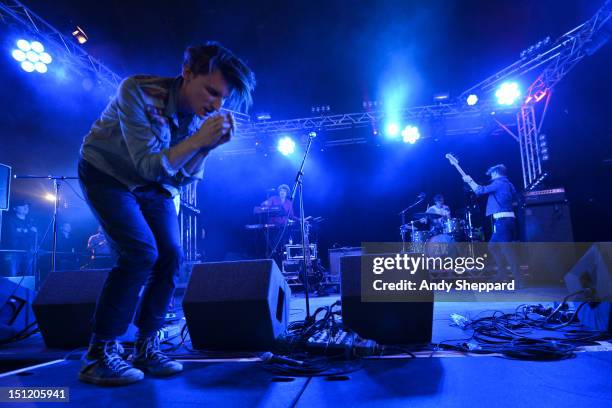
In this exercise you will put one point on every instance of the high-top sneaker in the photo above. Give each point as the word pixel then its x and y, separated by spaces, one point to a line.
pixel 103 365
pixel 148 357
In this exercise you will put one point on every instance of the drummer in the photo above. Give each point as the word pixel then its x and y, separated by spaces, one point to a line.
pixel 439 208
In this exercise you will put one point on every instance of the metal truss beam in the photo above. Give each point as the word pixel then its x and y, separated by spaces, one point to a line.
pixel 365 119
pixel 565 53
pixel 553 62
pixel 70 52
pixel 570 49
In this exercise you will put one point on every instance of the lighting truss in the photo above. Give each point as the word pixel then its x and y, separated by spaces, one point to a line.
pixel 552 61
pixel 365 119
pixel 552 64
pixel 79 60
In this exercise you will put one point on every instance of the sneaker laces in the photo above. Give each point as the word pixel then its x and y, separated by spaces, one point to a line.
pixel 112 357
pixel 153 351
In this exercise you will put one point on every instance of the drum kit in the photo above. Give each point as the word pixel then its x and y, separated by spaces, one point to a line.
pixel 434 228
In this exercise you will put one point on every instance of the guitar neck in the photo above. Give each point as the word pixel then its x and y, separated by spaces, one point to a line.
pixel 460 170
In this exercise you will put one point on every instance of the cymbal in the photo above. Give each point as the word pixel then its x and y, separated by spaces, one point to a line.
pixel 429 216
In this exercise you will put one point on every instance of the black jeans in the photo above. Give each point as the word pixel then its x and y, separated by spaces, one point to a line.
pixel 504 230
pixel 500 245
pixel 142 227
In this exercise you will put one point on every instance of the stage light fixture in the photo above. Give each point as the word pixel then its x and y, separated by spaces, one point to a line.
pixel 32 56
pixel 37 47
pixel 40 67
pixel 543 145
pixel 472 99
pixel 24 45
pixel 50 197
pixel 286 146
pixel 19 55
pixel 27 66
pixel 411 134
pixel 45 58
pixel 80 35
pixel 508 93
pixel 263 116
pixel 392 130
pixel 441 97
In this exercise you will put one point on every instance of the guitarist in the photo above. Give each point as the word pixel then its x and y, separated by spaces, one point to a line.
pixel 501 196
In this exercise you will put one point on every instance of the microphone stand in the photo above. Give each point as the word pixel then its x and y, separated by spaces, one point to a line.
pixel 56 187
pixel 420 199
pixel 298 185
pixel 405 210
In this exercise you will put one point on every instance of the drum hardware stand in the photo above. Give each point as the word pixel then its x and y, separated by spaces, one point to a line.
pixel 56 186
pixel 420 199
pixel 470 236
pixel 298 185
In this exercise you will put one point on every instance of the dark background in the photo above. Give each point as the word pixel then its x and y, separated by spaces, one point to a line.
pixel 335 53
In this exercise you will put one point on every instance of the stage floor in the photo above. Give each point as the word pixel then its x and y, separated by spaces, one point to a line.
pixel 445 379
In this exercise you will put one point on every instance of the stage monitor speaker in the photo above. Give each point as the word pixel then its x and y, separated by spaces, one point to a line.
pixel 240 305
pixel 548 222
pixel 335 254
pixel 16 315
pixel 5 186
pixel 594 272
pixel 383 322
pixel 65 306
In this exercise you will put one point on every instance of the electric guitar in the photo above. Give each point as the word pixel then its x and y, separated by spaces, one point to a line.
pixel 455 163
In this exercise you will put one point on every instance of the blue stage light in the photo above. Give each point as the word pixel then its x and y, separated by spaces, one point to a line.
pixel 392 130
pixel 27 66
pixel 24 45
pixel 472 99
pixel 32 56
pixel 411 134
pixel 508 93
pixel 40 67
pixel 37 47
pixel 19 55
pixel 286 146
pixel 45 58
